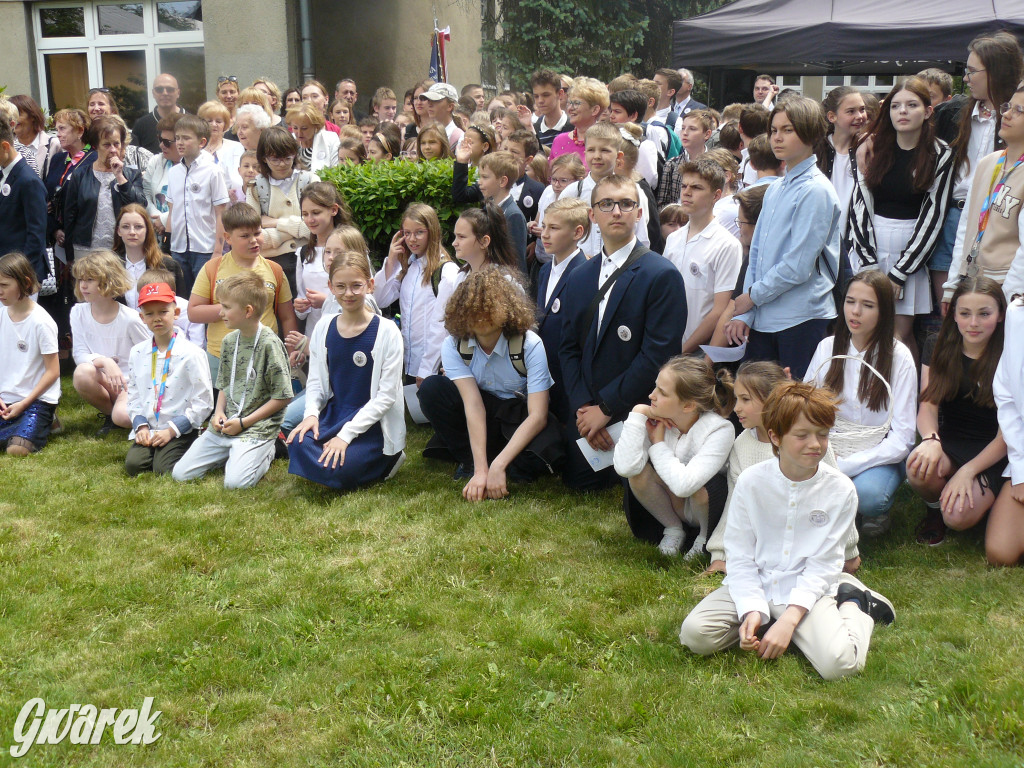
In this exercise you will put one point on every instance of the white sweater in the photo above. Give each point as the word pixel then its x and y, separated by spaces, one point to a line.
pixel 387 402
pixel 684 462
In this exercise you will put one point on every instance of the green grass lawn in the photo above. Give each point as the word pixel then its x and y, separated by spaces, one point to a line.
pixel 400 625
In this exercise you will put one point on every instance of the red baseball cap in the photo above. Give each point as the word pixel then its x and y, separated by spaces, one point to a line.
pixel 156 292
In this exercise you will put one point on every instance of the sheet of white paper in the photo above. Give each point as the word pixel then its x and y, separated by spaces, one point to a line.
pixel 412 402
pixel 598 460
pixel 724 354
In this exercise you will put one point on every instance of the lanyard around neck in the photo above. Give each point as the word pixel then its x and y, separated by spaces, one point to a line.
pixel 163 379
pixel 250 372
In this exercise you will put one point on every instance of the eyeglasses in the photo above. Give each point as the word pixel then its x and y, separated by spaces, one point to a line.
pixel 228 79
pixel 608 205
pixel 166 142
pixel 281 160
pixel 1006 106
pixel 417 234
pixel 574 103
pixel 354 288
pixel 972 72
pixel 164 89
pixel 563 182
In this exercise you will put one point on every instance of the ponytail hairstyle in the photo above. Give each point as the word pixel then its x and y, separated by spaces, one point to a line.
pixel 489 221
pixel 486 135
pixel 435 254
pixel 883 135
pixel 325 195
pixel 630 136
pixel 153 255
pixel 945 373
pixel 698 383
pixel 760 378
pixel 1003 67
pixel 880 350
pixel 832 101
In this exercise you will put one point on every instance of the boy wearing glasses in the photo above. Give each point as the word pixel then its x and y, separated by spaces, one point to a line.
pixel 196 198
pixel 624 313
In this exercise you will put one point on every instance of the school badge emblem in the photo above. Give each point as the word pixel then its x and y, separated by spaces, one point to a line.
pixel 359 358
pixel 624 333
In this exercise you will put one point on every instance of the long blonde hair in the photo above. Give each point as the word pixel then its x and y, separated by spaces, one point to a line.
pixel 435 254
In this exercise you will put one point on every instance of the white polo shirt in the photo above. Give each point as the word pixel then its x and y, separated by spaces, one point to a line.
pixel 194 191
pixel 709 263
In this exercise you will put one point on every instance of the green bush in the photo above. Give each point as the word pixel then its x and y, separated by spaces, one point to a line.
pixel 377 193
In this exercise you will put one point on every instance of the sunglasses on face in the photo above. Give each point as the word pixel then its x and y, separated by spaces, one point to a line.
pixel 164 89
pixel 166 142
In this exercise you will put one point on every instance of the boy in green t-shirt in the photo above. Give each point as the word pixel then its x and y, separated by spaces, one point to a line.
pixel 255 386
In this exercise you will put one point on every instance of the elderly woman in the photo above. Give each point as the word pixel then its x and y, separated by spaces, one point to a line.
pixel 30 131
pixel 99 187
pixel 257 98
pixel 70 125
pixel 318 148
pixel 226 153
pixel 250 122
pixel 100 103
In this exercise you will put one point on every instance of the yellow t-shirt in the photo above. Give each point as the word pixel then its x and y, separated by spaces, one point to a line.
pixel 215 332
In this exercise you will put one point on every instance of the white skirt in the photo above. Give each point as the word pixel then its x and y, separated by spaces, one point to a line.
pixel 891 237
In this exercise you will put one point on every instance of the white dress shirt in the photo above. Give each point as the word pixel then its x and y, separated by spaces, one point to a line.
pixel 557 270
pixel 898 442
pixel 784 540
pixel 1008 394
pixel 422 327
pixel 610 263
pixel 188 393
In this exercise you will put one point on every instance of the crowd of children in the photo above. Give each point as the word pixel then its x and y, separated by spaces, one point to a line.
pixel 616 241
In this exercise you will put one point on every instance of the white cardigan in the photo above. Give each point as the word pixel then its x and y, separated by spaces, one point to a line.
pixel 387 402
pixel 684 462
pixel 325 150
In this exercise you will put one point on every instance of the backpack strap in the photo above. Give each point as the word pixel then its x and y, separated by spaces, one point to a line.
pixel 212 267
pixel 275 268
pixel 464 350
pixel 516 346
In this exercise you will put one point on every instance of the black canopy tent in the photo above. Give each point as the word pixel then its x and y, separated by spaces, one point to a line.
pixel 817 37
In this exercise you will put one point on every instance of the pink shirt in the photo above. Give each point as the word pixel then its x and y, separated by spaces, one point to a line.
pixel 565 143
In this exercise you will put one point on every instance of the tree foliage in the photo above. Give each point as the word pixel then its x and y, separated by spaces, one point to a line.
pixel 600 38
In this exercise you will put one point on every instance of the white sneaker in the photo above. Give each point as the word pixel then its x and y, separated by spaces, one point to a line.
pixel 697 549
pixel 671 541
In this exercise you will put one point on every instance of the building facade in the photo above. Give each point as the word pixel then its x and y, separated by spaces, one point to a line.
pixel 56 51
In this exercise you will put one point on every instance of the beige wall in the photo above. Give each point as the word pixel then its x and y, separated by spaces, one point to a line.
pixel 17 62
pixel 388 43
pixel 250 40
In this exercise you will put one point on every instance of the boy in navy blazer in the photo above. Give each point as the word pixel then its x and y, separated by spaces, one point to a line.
pixel 566 222
pixel 624 317
pixel 22 206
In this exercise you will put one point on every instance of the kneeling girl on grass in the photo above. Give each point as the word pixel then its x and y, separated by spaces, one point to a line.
pixel 957 469
pixel 490 407
pixel 672 452
pixel 30 374
pixel 354 429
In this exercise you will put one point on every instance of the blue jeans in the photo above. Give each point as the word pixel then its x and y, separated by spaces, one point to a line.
pixel 876 488
pixel 942 253
pixel 191 262
pixel 293 413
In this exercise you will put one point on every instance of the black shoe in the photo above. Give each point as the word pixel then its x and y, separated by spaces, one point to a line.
pixel 461 473
pixel 435 449
pixel 280 448
pixel 108 424
pixel 874 605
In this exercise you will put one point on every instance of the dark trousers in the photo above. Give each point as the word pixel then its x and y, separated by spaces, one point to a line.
pixel 577 473
pixel 160 461
pixel 442 403
pixel 792 348
pixel 287 262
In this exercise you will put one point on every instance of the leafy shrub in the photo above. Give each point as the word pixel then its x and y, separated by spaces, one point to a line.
pixel 377 193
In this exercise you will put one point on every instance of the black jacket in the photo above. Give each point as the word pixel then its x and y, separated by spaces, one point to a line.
pixel 80 201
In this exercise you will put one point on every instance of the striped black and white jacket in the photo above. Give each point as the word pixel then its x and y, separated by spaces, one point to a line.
pixel 860 227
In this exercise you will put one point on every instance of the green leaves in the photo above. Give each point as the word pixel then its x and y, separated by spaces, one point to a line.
pixel 377 193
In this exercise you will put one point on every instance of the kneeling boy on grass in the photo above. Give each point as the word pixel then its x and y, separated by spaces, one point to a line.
pixel 784 551
pixel 254 383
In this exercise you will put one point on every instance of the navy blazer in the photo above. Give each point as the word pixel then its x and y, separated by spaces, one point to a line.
pixel 23 216
pixel 464 193
pixel 549 328
pixel 618 362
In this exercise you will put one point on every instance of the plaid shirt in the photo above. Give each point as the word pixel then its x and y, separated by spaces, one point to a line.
pixel 670 186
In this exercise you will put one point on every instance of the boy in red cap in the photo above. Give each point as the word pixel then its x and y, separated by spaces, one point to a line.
pixel 169 389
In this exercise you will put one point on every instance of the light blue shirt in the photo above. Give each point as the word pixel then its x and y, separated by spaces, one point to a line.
pixel 494 373
pixel 794 255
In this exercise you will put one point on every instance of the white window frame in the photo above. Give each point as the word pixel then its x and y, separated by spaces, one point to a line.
pixel 93 44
